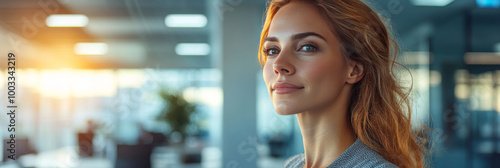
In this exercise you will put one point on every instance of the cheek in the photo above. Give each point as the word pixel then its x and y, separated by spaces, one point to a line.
pixel 327 74
pixel 268 72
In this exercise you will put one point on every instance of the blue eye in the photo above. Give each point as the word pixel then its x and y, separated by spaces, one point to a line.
pixel 308 48
pixel 271 51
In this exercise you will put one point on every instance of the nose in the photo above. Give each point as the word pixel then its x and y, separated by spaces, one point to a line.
pixel 278 70
pixel 282 65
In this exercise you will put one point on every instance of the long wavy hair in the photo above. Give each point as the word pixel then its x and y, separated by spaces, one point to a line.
pixel 380 109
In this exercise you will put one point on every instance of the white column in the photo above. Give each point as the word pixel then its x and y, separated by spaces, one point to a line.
pixel 241 25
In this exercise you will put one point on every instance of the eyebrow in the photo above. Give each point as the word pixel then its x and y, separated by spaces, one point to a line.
pixel 296 36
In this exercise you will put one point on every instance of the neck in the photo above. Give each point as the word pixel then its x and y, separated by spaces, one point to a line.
pixel 326 132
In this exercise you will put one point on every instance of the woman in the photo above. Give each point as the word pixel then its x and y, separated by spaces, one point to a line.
pixel 330 62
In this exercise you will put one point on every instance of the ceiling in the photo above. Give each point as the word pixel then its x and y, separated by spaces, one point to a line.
pixel 134 31
pixel 138 38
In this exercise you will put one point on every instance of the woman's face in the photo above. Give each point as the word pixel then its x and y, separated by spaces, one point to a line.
pixel 304 69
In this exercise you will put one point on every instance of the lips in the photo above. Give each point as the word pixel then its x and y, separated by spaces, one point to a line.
pixel 285 88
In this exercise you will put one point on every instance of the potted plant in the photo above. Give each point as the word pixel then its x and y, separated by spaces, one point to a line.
pixel 178 114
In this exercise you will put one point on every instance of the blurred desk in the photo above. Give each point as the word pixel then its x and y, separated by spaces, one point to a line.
pixel 169 157
pixel 162 157
pixel 64 157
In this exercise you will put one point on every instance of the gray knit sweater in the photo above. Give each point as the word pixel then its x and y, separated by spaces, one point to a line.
pixel 357 155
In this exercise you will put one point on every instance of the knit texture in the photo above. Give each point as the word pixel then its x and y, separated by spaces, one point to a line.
pixel 357 155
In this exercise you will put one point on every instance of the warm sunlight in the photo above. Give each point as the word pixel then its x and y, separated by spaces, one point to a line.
pixel 77 83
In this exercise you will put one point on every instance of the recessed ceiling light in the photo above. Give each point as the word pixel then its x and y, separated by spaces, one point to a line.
pixel 488 3
pixel 186 20
pixel 67 20
pixel 431 2
pixel 482 58
pixel 91 48
pixel 192 49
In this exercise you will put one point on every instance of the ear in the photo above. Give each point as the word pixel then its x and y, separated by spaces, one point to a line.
pixel 355 72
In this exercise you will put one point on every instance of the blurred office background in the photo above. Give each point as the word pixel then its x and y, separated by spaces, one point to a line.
pixel 169 83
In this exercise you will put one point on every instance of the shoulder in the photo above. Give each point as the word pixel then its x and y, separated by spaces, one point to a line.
pixel 373 160
pixel 360 155
pixel 295 161
pixel 357 155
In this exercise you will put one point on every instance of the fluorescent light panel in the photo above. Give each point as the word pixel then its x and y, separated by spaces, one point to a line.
pixel 416 58
pixel 192 49
pixel 488 3
pixel 431 2
pixel 482 58
pixel 91 48
pixel 186 20
pixel 67 20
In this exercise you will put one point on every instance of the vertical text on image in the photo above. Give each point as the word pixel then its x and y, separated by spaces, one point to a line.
pixel 11 107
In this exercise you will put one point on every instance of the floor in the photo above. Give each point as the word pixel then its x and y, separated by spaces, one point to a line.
pixel 162 157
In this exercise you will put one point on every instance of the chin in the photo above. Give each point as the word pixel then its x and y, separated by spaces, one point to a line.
pixel 286 111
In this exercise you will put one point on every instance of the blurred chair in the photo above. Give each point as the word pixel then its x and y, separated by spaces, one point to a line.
pixel 23 147
pixel 159 139
pixel 85 144
pixel 133 156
